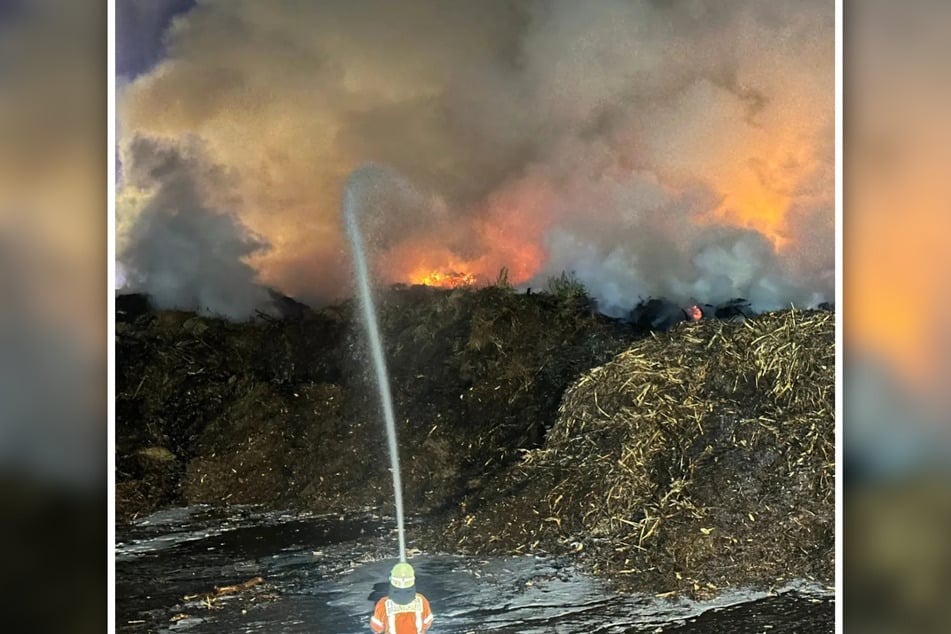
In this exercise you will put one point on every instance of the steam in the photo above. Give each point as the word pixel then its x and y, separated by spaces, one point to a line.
pixel 677 149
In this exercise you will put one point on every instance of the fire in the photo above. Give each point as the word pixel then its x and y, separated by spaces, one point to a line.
pixel 504 233
pixel 447 279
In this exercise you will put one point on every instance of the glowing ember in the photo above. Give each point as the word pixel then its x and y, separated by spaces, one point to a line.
pixel 694 313
pixel 448 279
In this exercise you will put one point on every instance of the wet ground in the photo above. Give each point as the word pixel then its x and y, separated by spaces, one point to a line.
pixel 306 573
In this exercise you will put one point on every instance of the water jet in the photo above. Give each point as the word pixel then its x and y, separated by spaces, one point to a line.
pixel 356 184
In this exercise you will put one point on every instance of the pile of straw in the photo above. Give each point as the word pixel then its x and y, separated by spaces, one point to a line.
pixel 698 458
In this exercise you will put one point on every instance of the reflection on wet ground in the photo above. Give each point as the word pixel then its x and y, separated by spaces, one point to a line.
pixel 324 574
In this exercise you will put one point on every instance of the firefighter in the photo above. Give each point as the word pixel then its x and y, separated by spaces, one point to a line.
pixel 403 610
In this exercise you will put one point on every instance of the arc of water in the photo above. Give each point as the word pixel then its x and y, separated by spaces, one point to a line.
pixel 350 204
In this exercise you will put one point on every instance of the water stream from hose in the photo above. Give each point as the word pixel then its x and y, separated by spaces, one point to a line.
pixel 351 203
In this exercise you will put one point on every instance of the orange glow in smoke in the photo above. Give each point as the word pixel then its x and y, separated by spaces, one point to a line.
pixel 763 164
pixel 751 206
pixel 761 176
pixel 766 175
pixel 508 234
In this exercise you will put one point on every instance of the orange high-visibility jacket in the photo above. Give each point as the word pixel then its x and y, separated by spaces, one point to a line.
pixel 393 618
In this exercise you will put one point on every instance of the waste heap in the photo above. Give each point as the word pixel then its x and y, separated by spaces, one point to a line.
pixel 699 458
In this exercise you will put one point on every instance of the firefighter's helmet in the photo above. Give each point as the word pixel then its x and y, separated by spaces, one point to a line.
pixel 402 576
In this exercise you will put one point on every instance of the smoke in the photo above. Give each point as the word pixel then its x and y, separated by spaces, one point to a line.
pixel 181 250
pixel 679 149
pixel 664 251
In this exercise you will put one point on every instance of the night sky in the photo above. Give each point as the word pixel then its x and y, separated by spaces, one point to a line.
pixel 140 25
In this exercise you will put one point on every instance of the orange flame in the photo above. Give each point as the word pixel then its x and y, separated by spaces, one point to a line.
pixel 507 233
pixel 447 279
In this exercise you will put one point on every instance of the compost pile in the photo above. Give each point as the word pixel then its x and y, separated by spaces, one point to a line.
pixel 285 412
pixel 686 460
pixel 698 458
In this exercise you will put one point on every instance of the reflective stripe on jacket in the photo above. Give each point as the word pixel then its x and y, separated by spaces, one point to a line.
pixel 392 618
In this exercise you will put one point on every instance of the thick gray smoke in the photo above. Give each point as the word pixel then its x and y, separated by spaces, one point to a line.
pixel 681 149
pixel 646 243
pixel 181 250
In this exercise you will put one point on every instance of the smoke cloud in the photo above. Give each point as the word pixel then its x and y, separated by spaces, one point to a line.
pixel 179 247
pixel 680 149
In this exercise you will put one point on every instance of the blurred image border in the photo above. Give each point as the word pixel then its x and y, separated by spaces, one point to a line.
pixel 111 307
pixel 839 357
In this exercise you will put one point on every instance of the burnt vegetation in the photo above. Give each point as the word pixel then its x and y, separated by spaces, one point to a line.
pixel 685 460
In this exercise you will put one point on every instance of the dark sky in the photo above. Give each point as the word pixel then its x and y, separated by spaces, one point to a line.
pixel 139 28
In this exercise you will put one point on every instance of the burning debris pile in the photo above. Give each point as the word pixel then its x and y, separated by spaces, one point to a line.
pixel 696 459
pixel 447 279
